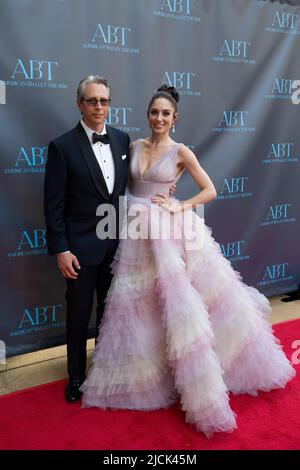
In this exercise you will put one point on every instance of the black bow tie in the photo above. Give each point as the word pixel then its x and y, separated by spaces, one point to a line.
pixel 100 138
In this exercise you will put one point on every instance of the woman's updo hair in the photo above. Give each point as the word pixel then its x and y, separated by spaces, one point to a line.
pixel 168 92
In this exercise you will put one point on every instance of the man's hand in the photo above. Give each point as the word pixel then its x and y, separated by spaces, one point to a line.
pixel 65 263
pixel 172 190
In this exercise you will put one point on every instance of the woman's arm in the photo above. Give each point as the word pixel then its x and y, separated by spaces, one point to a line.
pixel 191 164
pixel 188 160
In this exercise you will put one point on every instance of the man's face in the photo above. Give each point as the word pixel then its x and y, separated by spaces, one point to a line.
pixel 94 115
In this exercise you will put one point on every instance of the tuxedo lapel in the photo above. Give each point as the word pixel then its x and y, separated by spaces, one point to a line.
pixel 119 168
pixel 91 162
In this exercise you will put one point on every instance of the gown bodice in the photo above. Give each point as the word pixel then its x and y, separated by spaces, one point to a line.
pixel 159 177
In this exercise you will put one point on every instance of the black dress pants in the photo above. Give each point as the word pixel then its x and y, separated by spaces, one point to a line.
pixel 80 297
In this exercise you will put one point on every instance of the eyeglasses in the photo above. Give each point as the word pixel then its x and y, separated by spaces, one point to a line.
pixel 94 101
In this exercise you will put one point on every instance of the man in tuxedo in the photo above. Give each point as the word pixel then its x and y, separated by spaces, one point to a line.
pixel 86 167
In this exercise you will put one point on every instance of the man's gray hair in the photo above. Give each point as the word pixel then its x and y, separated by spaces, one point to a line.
pixel 97 79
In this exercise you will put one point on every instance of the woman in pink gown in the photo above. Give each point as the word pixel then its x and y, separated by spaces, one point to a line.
pixel 179 322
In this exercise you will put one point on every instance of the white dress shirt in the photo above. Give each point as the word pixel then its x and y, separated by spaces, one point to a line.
pixel 104 157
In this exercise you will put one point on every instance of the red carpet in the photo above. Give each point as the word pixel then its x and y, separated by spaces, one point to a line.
pixel 39 418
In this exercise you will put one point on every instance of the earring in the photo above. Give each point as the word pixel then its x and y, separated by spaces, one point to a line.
pixel 173 127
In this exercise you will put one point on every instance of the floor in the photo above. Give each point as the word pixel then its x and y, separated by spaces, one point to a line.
pixel 45 366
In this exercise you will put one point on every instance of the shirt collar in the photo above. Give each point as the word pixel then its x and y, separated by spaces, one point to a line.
pixel 89 131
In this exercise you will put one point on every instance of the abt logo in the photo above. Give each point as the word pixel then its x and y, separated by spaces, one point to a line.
pixel 39 316
pixel 232 248
pixel 283 20
pixel 177 6
pixel 180 80
pixel 31 243
pixel 276 271
pixel 235 48
pixel 110 34
pixel 278 212
pixel 281 150
pixel 31 160
pixel 177 9
pixel 31 240
pixel 234 185
pixel 33 157
pixel 233 119
pixel 111 38
pixel 282 86
pixel 35 69
pixel 118 116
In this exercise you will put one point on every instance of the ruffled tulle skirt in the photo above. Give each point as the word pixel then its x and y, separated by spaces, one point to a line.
pixel 180 324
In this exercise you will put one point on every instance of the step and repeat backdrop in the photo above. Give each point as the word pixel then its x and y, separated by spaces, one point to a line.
pixel 233 62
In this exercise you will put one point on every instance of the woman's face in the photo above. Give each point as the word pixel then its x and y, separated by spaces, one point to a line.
pixel 161 116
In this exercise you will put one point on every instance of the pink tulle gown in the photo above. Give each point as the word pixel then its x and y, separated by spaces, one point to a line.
pixel 179 322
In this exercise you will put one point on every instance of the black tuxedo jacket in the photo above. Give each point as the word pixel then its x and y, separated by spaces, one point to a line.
pixel 75 187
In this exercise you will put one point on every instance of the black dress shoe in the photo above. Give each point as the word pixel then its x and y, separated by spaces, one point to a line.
pixel 72 392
